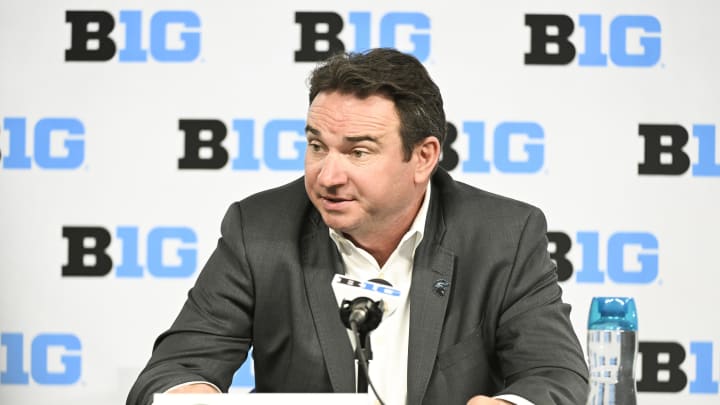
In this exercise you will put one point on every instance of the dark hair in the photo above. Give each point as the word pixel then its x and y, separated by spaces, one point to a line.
pixel 398 76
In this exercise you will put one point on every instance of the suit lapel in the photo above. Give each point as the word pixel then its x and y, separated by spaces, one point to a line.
pixel 320 261
pixel 429 294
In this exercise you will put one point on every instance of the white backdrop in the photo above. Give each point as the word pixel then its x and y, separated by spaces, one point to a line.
pixel 97 144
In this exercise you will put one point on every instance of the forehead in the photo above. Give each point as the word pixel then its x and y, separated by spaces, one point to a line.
pixel 345 112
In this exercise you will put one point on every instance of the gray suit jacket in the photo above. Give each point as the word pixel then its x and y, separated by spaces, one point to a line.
pixel 500 328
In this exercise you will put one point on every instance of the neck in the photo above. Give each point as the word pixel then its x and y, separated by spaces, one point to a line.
pixel 380 249
pixel 382 241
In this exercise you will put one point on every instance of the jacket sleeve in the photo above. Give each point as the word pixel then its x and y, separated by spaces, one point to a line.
pixel 540 356
pixel 211 336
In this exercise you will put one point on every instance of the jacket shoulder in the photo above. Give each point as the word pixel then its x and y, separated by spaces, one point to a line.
pixel 462 199
pixel 280 210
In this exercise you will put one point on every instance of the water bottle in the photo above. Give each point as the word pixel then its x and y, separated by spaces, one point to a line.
pixel 612 348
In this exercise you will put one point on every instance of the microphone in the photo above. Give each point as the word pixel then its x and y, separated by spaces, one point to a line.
pixel 363 312
pixel 363 305
pixel 360 294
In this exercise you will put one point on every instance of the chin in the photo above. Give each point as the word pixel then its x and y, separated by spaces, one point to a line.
pixel 337 224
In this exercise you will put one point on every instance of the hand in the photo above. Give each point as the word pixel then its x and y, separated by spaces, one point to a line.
pixel 195 388
pixel 483 400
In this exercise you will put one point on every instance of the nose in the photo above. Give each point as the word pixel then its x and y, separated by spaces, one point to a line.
pixel 332 171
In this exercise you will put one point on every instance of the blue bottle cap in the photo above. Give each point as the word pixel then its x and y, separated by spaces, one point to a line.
pixel 613 313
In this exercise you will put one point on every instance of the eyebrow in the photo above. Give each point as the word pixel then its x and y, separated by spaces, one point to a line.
pixel 354 139
pixel 311 130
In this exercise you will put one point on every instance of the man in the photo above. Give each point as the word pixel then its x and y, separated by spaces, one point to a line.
pixel 481 322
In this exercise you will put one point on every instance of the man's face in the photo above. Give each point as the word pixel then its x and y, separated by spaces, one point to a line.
pixel 354 169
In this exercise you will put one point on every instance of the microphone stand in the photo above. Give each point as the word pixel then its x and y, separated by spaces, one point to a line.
pixel 362 315
pixel 363 353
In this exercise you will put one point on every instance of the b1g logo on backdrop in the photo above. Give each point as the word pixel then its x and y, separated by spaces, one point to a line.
pixel 169 252
pixel 632 257
pixel 665 150
pixel 283 144
pixel 517 147
pixel 51 143
pixel 633 40
pixel 173 36
pixel 321 32
pixel 55 359
pixel 661 367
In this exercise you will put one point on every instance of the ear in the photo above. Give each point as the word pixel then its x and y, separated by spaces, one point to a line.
pixel 426 155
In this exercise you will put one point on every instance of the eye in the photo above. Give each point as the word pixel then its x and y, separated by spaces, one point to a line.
pixel 315 146
pixel 359 153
